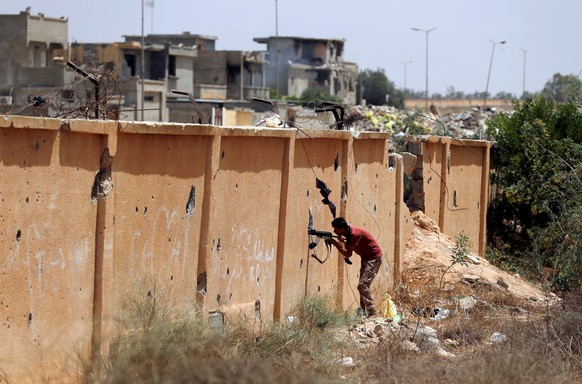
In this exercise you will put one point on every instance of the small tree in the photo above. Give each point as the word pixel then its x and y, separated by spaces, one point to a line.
pixel 460 253
pixel 376 87
pixel 563 88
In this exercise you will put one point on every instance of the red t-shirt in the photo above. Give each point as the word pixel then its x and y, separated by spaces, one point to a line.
pixel 363 243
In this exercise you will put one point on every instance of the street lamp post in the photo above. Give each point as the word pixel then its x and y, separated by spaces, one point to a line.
pixel 142 72
pixel 405 63
pixel 523 89
pixel 489 73
pixel 277 51
pixel 426 31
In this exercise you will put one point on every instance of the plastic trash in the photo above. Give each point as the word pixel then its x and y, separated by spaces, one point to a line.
pixel 498 337
pixel 389 308
pixel 347 361
pixel 441 313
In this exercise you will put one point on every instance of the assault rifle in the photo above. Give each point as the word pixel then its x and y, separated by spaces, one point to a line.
pixel 323 235
pixel 320 234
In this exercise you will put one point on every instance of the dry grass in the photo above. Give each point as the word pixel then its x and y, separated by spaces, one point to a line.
pixel 161 346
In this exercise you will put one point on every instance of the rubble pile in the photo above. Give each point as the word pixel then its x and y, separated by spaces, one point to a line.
pixel 448 320
pixel 466 125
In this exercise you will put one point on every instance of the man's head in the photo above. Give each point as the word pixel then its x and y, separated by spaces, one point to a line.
pixel 340 226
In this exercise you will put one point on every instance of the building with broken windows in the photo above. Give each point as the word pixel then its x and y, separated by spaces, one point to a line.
pixel 159 77
pixel 33 52
pixel 297 64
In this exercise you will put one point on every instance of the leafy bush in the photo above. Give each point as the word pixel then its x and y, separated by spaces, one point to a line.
pixel 536 161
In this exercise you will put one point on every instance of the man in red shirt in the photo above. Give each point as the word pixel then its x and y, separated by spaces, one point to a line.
pixel 360 241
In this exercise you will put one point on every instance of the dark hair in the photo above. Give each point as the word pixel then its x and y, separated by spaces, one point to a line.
pixel 340 222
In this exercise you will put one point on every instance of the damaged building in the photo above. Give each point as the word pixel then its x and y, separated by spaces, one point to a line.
pixel 168 77
pixel 33 52
pixel 298 63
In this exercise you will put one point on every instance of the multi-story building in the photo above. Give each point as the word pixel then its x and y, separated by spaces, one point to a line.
pixel 33 53
pixel 299 63
pixel 158 77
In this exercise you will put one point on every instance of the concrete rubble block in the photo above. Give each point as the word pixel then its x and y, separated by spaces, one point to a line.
pixel 409 161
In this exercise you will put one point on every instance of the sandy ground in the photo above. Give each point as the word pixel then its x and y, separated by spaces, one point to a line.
pixel 428 253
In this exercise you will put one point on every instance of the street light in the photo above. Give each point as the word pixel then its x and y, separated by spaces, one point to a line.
pixel 142 72
pixel 426 31
pixel 489 73
pixel 405 65
pixel 523 90
pixel 277 50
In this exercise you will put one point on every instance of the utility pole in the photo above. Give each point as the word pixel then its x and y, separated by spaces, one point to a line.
pixel 426 31
pixel 489 73
pixel 142 62
pixel 277 51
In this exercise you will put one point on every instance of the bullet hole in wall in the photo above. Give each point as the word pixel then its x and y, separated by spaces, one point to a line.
pixel 218 247
pixel 29 318
pixel 218 299
pixel 18 235
pixel 307 195
pixel 301 263
pixel 136 210
pixel 191 204
pixel 374 207
pixel 336 163
pixel 227 271
pixel 222 155
pixel 258 309
pixel 318 288
pixel 171 277
pixel 145 210
pixel 230 296
pixel 201 282
pixel 257 279
pixel 27 200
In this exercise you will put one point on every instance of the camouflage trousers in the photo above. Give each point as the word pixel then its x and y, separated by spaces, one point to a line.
pixel 368 271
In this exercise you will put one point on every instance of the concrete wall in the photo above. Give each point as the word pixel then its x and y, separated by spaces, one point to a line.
pixel 454 177
pixel 217 217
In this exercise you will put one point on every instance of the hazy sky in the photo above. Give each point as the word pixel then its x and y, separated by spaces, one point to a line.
pixel 378 33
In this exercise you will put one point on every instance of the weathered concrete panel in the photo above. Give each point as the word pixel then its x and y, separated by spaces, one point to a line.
pixel 463 198
pixel 159 185
pixel 372 205
pixel 242 264
pixel 434 155
pixel 47 222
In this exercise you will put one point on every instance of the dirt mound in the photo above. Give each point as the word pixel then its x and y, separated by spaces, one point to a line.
pixel 429 253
